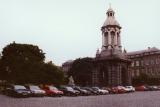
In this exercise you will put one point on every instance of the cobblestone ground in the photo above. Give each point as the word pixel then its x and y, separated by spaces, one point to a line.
pixel 137 99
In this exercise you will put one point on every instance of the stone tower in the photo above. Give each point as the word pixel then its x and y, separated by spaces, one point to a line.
pixel 111 64
pixel 111 39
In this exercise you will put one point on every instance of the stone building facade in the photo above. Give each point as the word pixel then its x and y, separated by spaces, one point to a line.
pixel 111 64
pixel 145 61
pixel 66 66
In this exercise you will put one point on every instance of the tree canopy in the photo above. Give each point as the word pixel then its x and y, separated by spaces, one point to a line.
pixel 24 63
pixel 81 71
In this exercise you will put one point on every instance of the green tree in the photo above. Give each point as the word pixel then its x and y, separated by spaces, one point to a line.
pixel 24 63
pixel 81 71
pixel 141 79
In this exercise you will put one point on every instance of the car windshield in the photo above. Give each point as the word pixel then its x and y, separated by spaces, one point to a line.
pixel 78 88
pixel 52 88
pixel 69 88
pixel 19 87
pixel 95 88
pixel 88 89
pixel 34 87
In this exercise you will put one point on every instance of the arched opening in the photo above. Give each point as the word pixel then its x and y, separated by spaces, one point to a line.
pixel 124 76
pixel 110 14
pixel 118 38
pixel 106 38
pixel 106 77
pixel 103 75
pixel 112 37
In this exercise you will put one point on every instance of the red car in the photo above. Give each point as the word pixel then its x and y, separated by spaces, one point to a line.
pixel 52 91
pixel 114 90
pixel 121 89
pixel 140 88
pixel 118 90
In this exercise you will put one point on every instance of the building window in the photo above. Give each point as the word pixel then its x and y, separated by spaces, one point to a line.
pixel 106 37
pixel 132 73
pixel 137 63
pixel 146 70
pixel 132 64
pixel 118 39
pixel 152 62
pixel 110 14
pixel 142 63
pixel 146 62
pixel 157 61
pixel 158 71
pixel 151 71
pixel 137 72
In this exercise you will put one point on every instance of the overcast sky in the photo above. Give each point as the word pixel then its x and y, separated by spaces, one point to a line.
pixel 69 29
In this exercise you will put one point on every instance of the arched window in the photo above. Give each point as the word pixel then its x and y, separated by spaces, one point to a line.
pixel 118 38
pixel 106 37
pixel 110 14
pixel 112 37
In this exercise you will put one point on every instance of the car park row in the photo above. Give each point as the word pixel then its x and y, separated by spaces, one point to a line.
pixel 50 90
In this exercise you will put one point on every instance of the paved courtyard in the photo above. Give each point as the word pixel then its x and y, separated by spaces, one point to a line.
pixel 137 99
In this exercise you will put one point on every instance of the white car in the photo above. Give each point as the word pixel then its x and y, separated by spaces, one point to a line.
pixel 101 91
pixel 130 88
pixel 36 91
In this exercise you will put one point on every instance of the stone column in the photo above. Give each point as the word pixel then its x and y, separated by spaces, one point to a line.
pixel 119 41
pixel 129 76
pixel 103 41
pixel 109 75
pixel 95 79
pixel 102 38
pixel 109 39
pixel 120 74
pixel 115 40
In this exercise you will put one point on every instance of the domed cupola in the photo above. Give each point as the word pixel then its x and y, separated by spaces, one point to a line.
pixel 110 18
pixel 111 32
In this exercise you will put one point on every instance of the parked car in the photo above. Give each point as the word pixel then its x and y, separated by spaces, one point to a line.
pixel 130 88
pixel 82 91
pixel 93 92
pixel 141 88
pixel 52 91
pixel 113 90
pixel 152 88
pixel 118 90
pixel 121 89
pixel 17 91
pixel 108 89
pixel 69 91
pixel 100 91
pixel 36 91
pixel 158 88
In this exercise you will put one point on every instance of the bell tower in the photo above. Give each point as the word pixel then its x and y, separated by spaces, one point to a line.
pixel 111 32
pixel 111 64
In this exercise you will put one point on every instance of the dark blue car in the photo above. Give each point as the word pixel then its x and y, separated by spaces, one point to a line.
pixel 17 91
